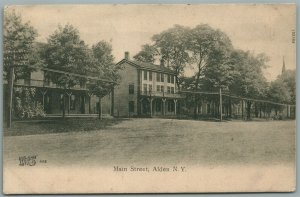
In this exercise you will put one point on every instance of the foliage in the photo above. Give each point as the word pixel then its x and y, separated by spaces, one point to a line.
pixel 289 79
pixel 248 80
pixel 105 68
pixel 65 51
pixel 104 61
pixel 147 54
pixel 24 104
pixel 210 50
pixel 18 45
pixel 172 46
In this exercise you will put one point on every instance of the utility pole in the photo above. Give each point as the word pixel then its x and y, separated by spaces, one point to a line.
pixel 10 95
pixel 221 104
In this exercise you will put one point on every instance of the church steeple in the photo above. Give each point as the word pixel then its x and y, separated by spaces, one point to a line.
pixel 283 66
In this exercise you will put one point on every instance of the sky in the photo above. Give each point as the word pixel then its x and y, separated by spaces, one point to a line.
pixel 258 28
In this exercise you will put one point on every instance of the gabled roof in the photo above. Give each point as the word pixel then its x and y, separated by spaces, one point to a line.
pixel 147 66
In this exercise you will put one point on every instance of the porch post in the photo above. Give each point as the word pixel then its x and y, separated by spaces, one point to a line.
pixel 164 106
pixel 151 107
pixel 221 105
pixel 141 108
pixel 69 101
pixel 175 103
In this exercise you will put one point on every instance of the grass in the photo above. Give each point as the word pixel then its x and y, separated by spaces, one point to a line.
pixel 58 125
pixel 157 141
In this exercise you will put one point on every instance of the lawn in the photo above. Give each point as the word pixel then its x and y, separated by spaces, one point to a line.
pixel 153 141
pixel 58 125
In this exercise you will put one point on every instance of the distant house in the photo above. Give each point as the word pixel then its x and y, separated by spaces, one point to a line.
pixel 79 100
pixel 145 89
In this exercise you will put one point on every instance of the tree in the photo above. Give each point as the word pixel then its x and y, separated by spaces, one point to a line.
pixel 147 54
pixel 65 51
pixel 248 80
pixel 209 47
pixel 289 78
pixel 172 47
pixel 105 69
pixel 279 92
pixel 18 45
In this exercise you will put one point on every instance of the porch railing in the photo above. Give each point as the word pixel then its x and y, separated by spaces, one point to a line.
pixel 42 83
pixel 161 94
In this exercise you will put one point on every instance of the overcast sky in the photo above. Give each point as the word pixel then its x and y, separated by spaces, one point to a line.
pixel 260 28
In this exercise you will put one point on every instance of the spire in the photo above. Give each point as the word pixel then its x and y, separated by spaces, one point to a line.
pixel 283 66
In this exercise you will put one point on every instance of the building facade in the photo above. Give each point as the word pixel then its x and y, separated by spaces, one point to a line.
pixel 145 90
pixel 78 99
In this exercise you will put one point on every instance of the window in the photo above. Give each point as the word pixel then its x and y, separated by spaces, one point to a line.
pixel 158 88
pixel 61 101
pixel 145 87
pixel 82 84
pixel 172 79
pixel 162 77
pixel 150 76
pixel 158 77
pixel 171 106
pixel 169 78
pixel 72 102
pixel 162 88
pixel 145 75
pixel 27 79
pixel 158 106
pixel 150 88
pixel 208 108
pixel 169 89
pixel 172 90
pixel 131 106
pixel 46 79
pixel 131 88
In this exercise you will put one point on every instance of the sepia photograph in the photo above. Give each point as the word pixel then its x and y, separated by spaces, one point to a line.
pixel 149 98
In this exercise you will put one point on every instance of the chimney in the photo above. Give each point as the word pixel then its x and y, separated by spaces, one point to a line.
pixel 126 55
pixel 162 62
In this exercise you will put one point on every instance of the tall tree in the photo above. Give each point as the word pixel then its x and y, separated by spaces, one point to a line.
pixel 104 61
pixel 172 47
pixel 289 78
pixel 279 92
pixel 65 51
pixel 105 69
pixel 147 54
pixel 18 45
pixel 209 48
pixel 249 80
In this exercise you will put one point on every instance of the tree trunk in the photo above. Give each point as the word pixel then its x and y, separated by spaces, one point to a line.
pixel 230 108
pixel 100 110
pixel 242 109
pixel 249 103
pixel 64 106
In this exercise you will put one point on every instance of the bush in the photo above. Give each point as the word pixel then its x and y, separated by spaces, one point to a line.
pixel 25 104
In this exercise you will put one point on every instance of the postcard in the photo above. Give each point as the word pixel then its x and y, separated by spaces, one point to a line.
pixel 149 98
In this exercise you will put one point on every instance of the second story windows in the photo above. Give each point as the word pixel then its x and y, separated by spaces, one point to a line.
pixel 172 79
pixel 158 77
pixel 145 88
pixel 150 76
pixel 145 75
pixel 162 77
pixel 131 88
pixel 150 88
